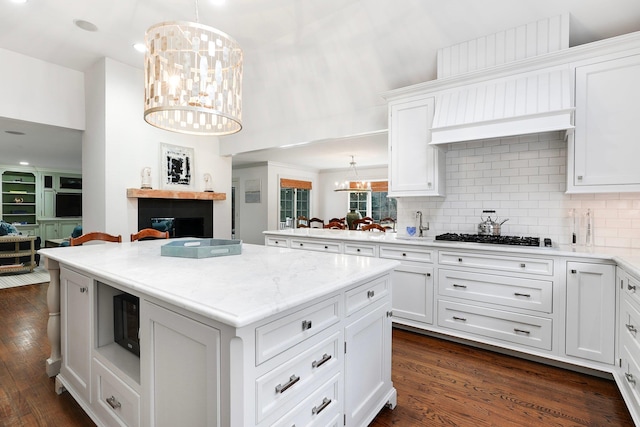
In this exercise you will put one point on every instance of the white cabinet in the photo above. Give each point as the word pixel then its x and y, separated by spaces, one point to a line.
pixel 413 284
pixel 180 361
pixel 604 153
pixel 415 167
pixel 368 353
pixel 57 228
pixel 591 308
pixel 627 373
pixel 76 326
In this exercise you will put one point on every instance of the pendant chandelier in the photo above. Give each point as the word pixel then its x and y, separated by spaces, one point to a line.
pixel 193 79
pixel 353 183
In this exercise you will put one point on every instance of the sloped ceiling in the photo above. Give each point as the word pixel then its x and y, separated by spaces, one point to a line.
pixel 314 70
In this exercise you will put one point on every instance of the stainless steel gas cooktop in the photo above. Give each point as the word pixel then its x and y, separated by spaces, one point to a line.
pixel 496 240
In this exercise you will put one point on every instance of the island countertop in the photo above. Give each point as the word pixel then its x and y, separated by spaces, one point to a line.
pixel 236 290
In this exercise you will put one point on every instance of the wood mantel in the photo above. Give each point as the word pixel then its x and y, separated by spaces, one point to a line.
pixel 138 193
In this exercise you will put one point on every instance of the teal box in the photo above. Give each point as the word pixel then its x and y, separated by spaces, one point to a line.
pixel 201 248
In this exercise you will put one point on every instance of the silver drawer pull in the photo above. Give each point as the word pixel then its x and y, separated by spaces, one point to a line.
pixel 518 294
pixel 521 331
pixel 317 363
pixel 631 328
pixel 306 324
pixel 113 402
pixel 280 388
pixel 630 378
pixel 370 294
pixel 523 265
pixel 455 285
pixel 462 319
pixel 325 402
pixel 631 288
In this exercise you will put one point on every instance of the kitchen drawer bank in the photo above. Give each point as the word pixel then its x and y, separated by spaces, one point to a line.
pixel 553 305
pixel 271 337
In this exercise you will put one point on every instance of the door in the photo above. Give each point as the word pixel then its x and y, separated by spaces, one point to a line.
pixel 591 310
pixel 367 364
pixel 413 293
pixel 180 361
pixel 76 324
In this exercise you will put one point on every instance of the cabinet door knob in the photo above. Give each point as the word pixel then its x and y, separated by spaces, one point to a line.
pixel 113 402
pixel 574 271
pixel 459 259
pixel 523 265
pixel 325 402
pixel 281 388
pixel 631 288
pixel 370 294
pixel 631 328
pixel 630 378
pixel 83 289
pixel 306 324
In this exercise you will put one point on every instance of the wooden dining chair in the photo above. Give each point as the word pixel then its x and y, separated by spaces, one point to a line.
pixel 316 220
pixel 149 233
pixel 388 223
pixel 358 223
pixel 302 222
pixel 335 225
pixel 94 235
pixel 341 220
pixel 373 227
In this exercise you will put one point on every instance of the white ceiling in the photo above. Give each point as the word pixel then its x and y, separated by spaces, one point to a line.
pixel 352 48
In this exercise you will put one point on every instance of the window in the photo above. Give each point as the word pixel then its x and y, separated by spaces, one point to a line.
pixel 375 204
pixel 295 197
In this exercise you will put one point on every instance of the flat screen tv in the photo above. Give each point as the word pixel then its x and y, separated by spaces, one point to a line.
pixel 68 205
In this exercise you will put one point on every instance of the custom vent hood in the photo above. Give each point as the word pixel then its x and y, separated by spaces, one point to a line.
pixel 517 104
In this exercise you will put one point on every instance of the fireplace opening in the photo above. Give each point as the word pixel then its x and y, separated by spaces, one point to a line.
pixel 181 218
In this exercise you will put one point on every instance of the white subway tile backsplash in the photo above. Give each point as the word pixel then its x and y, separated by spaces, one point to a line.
pixel 523 179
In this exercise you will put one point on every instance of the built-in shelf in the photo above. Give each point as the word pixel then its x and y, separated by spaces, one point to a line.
pixel 138 193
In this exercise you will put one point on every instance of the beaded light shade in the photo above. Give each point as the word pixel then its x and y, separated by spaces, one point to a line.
pixel 193 79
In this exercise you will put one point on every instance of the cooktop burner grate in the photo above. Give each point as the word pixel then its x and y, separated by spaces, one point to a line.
pixel 496 240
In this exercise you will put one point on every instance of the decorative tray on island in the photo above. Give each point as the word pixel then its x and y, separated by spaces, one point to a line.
pixel 201 248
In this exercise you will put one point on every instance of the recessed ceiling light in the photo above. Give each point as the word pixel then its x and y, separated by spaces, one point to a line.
pixel 85 25
pixel 218 2
pixel 140 47
pixel 24 163
pixel 18 1
pixel 14 132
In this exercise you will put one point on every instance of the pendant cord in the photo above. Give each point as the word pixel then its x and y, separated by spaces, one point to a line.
pixel 197 15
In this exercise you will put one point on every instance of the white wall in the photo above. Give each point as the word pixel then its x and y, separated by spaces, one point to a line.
pixel 523 179
pixel 41 92
pixel 119 143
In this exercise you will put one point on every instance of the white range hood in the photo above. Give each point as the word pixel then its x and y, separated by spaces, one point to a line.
pixel 517 104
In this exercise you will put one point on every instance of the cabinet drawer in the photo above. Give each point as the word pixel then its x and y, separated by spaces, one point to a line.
pixel 515 328
pixel 282 334
pixel 630 324
pixel 501 263
pixel 630 368
pixel 320 409
pixel 406 253
pixel 290 383
pixel 366 294
pixel 513 292
pixel 632 289
pixel 360 249
pixel 115 402
pixel 317 245
pixel 277 241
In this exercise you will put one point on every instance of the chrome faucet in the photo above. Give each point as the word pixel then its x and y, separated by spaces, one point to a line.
pixel 420 227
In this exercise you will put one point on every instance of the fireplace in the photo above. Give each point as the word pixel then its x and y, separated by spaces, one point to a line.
pixel 181 217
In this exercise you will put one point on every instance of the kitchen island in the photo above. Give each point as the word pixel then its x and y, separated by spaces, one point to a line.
pixel 268 337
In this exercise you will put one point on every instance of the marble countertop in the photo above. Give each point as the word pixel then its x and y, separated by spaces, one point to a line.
pixel 236 290
pixel 627 258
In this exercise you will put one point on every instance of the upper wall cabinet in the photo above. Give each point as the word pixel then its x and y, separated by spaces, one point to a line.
pixel 604 151
pixel 415 167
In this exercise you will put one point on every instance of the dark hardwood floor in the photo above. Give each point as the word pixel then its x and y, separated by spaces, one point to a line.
pixel 439 383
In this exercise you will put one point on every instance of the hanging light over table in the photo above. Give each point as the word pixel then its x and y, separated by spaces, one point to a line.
pixel 353 183
pixel 193 79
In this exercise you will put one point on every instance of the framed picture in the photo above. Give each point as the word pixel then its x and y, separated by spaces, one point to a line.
pixel 176 167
